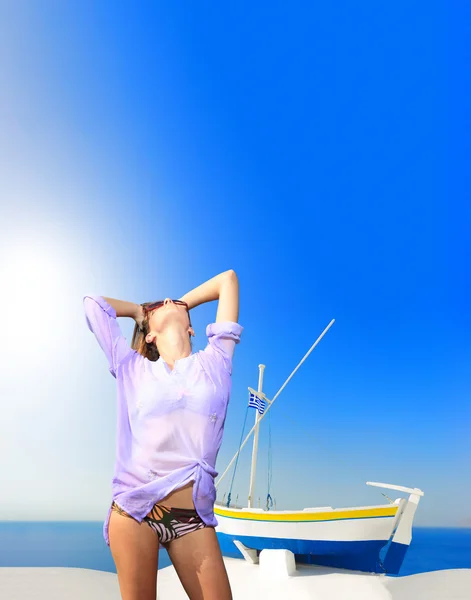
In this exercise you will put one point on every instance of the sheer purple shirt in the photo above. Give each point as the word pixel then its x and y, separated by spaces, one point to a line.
pixel 169 421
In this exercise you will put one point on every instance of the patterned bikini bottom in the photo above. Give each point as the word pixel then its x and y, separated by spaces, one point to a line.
pixel 169 523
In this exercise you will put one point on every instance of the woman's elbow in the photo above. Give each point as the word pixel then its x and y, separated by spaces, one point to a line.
pixel 231 274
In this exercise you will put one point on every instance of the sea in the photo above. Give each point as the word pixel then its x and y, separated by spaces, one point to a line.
pixel 80 544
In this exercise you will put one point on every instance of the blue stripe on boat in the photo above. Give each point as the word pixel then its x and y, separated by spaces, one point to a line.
pixel 357 555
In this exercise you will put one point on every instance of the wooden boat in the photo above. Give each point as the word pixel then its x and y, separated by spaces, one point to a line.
pixel 365 538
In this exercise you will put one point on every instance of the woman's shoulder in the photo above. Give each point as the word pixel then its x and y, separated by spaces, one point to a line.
pixel 134 358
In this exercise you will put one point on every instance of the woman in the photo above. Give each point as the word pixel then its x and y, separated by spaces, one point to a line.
pixel 170 418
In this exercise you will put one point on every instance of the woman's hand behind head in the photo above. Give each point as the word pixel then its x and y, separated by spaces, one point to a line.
pixel 140 316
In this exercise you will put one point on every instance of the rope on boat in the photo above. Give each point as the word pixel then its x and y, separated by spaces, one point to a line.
pixel 238 454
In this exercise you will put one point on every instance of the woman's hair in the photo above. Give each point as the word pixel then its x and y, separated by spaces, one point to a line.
pixel 138 342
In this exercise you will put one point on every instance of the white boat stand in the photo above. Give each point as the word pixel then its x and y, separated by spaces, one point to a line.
pixel 249 554
pixel 273 563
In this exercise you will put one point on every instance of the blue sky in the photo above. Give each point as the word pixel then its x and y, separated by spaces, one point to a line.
pixel 321 152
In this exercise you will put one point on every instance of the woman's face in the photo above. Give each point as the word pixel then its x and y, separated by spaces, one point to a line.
pixel 168 314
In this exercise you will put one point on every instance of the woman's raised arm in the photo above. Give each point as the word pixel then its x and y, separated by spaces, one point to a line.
pixel 101 316
pixel 224 288
pixel 123 308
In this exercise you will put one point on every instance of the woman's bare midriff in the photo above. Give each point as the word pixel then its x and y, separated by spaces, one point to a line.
pixel 181 498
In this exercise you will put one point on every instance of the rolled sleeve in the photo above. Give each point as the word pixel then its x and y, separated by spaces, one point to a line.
pixel 101 320
pixel 222 339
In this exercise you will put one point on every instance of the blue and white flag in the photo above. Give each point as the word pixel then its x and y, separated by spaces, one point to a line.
pixel 257 402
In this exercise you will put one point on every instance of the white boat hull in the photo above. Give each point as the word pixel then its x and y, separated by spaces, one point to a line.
pixel 348 538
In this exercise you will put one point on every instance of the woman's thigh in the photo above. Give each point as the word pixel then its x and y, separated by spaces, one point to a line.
pixel 135 550
pixel 198 562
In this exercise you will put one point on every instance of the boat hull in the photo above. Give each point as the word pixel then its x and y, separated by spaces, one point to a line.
pixel 347 538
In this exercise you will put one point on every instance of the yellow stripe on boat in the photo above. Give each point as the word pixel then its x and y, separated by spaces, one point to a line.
pixel 331 515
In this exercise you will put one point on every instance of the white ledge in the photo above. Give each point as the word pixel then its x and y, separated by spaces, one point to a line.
pixel 247 583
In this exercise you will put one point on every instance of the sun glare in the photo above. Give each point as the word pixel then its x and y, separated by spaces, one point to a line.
pixel 35 279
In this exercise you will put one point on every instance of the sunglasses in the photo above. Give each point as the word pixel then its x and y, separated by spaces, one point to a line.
pixel 159 303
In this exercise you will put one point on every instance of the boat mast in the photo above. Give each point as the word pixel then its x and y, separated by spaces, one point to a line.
pixel 253 470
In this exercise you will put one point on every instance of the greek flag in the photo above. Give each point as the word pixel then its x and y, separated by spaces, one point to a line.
pixel 256 402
